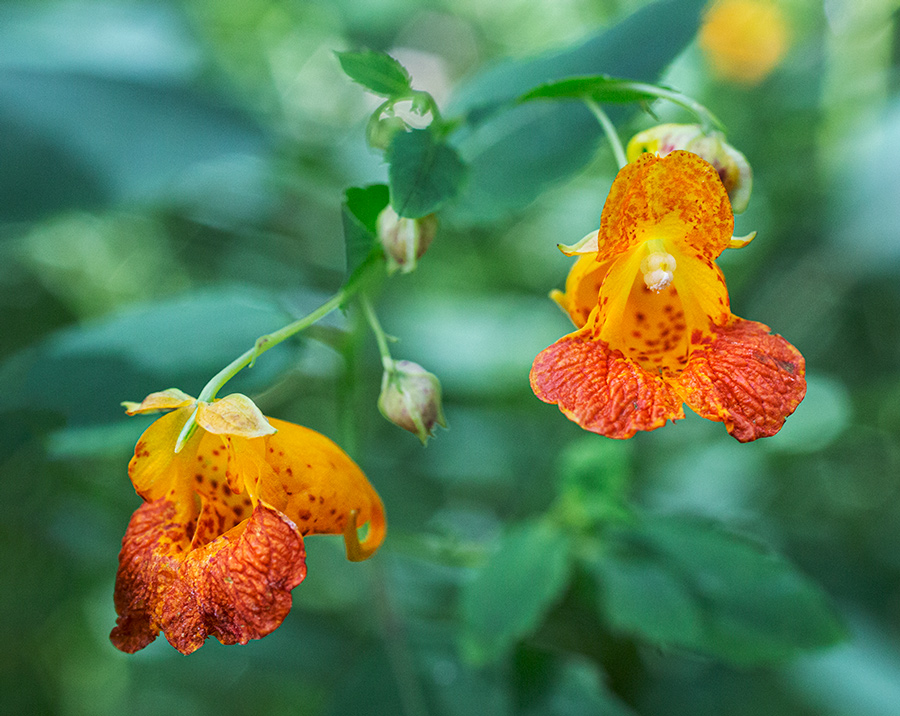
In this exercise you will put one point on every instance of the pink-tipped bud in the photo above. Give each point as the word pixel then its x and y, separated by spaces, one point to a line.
pixel 411 399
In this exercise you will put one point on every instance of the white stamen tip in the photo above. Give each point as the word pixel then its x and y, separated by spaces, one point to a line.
pixel 658 269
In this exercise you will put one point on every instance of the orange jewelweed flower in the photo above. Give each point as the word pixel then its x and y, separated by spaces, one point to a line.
pixel 217 546
pixel 654 326
pixel 744 40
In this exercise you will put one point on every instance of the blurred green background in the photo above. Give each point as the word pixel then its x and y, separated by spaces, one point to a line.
pixel 171 176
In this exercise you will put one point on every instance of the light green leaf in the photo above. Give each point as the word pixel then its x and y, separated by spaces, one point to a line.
pixel 376 71
pixel 424 173
pixel 512 591
pixel 677 581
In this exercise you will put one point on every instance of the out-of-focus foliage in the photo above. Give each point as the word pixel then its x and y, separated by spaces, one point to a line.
pixel 177 179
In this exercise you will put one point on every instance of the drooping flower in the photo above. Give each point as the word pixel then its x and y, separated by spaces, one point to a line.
pixel 732 166
pixel 217 546
pixel 654 324
pixel 744 40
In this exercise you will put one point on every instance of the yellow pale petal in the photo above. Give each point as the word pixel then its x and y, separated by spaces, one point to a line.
pixel 235 415
pixel 156 469
pixel 587 245
pixel 648 326
pixel 739 242
pixel 703 293
pixel 661 139
pixel 170 399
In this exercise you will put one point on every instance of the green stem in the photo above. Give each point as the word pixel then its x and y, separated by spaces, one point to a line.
pixel 707 118
pixel 610 130
pixel 264 343
pixel 380 336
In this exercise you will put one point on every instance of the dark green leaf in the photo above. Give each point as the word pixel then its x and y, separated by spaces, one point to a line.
pixel 514 155
pixel 604 89
pixel 686 582
pixel 598 87
pixel 376 71
pixel 509 595
pixel 424 173
pixel 82 141
pixel 552 685
pixel 84 372
pixel 359 214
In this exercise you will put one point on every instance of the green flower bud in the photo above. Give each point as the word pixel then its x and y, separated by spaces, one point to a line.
pixel 411 399
pixel 380 131
pixel 404 240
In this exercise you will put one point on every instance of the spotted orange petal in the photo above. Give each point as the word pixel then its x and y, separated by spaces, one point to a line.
pixel 314 482
pixel 746 377
pixel 678 198
pixel 235 588
pixel 600 389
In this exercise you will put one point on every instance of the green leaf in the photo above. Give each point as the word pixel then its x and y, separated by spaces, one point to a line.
pixel 512 591
pixel 424 173
pixel 151 141
pixel 556 685
pixel 605 89
pixel 516 154
pixel 595 479
pixel 359 214
pixel 678 581
pixel 376 71
pixel 83 372
pixel 601 88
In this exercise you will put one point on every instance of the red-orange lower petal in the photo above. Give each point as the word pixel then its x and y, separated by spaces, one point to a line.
pixel 235 588
pixel 746 377
pixel 602 390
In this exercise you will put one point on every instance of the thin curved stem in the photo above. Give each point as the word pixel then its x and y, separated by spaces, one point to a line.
pixel 264 343
pixel 380 336
pixel 707 119
pixel 610 130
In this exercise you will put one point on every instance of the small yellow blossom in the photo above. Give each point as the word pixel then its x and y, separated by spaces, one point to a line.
pixel 744 40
